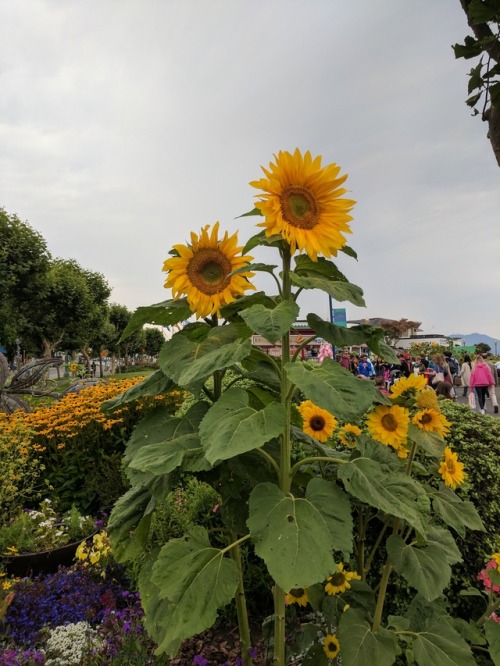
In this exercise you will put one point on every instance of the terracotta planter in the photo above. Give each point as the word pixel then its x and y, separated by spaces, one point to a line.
pixel 47 561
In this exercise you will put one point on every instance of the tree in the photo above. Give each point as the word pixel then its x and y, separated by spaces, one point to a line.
pixel 24 268
pixel 395 330
pixel 482 348
pixel 154 341
pixel 483 17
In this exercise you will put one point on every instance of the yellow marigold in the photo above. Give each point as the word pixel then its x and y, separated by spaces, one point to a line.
pixel 302 201
pixel 389 425
pixel 348 434
pixel 317 422
pixel 433 421
pixel 451 470
pixel 408 387
pixel 338 582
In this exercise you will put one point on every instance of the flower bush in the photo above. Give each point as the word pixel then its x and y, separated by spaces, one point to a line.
pixel 319 516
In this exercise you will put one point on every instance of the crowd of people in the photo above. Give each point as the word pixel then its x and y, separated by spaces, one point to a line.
pixel 477 377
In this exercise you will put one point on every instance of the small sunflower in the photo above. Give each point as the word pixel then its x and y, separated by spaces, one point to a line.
pixel 201 271
pixel 451 470
pixel 298 596
pixel 302 202
pixel 331 646
pixel 427 399
pixel 389 425
pixel 432 420
pixel 408 387
pixel 496 558
pixel 349 434
pixel 338 582
pixel 317 422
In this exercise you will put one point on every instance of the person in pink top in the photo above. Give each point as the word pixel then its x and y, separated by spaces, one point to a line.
pixel 481 379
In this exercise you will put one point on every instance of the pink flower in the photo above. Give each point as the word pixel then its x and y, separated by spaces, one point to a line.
pixel 495 618
pixel 483 576
pixel 216 508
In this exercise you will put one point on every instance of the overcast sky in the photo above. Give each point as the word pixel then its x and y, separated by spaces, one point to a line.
pixel 125 124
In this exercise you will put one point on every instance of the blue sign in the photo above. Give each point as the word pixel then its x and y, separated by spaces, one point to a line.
pixel 339 317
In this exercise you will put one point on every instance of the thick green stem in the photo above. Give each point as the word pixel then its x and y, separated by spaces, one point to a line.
pixel 241 607
pixel 361 543
pixel 279 627
pixel 384 581
pixel 492 607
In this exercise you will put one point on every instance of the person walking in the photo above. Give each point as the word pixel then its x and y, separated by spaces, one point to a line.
pixel 494 373
pixel 465 370
pixel 481 379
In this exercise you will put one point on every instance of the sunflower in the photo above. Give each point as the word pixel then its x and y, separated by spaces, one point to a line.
pixel 389 425
pixel 201 271
pixel 338 582
pixel 317 422
pixel 408 387
pixel 297 595
pixel 302 203
pixel 451 470
pixel 432 420
pixel 427 399
pixel 331 646
pixel 349 434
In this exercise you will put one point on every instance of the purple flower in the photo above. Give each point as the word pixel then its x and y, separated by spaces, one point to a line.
pixel 252 653
pixel 238 661
pixel 200 661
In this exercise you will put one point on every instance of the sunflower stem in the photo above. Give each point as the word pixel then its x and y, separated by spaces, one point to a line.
pixel 241 605
pixel 384 581
pixel 313 459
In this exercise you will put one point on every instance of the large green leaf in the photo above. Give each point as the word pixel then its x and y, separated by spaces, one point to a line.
pixel 333 388
pixel 262 368
pixel 440 645
pixel 232 310
pixel 492 631
pixel 304 265
pixel 167 313
pixel 339 290
pixel 430 442
pixel 291 535
pixel 197 579
pixel 232 426
pixel 455 512
pixel 335 507
pixel 394 493
pixel 443 539
pixel 276 240
pixel 127 539
pixel 360 646
pixel 187 360
pixel 426 569
pixel 152 385
pixel 272 324
pixel 259 268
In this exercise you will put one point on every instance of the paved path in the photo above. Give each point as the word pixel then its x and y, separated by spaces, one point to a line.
pixel 488 406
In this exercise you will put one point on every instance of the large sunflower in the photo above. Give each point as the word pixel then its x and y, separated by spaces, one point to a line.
pixel 298 596
pixel 389 425
pixel 201 271
pixel 338 582
pixel 331 646
pixel 408 387
pixel 427 399
pixel 317 422
pixel 451 470
pixel 432 420
pixel 302 202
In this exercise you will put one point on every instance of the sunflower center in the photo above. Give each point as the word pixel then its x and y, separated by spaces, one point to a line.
pixel 337 579
pixel 208 271
pixel 317 423
pixel 331 646
pixel 450 466
pixel 299 207
pixel 389 422
pixel 426 418
pixel 297 593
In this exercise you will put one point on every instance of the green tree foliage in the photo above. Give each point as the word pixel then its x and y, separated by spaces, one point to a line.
pixel 154 341
pixel 483 17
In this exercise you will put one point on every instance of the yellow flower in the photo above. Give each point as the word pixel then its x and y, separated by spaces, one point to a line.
pixel 427 399
pixel 348 434
pixel 389 425
pixel 94 556
pixel 338 582
pixel 331 646
pixel 408 387
pixel 81 551
pixel 451 470
pixel 297 596
pixel 496 558
pixel 6 584
pixel 201 271
pixel 318 423
pixel 430 419
pixel 302 203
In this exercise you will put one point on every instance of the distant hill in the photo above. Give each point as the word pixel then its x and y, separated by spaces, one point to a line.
pixel 476 338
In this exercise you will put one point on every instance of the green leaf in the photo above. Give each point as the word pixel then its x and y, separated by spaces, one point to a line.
pixel 262 368
pixel 333 388
pixel 232 310
pixel 256 268
pixel 475 78
pixel 232 427
pixel 469 49
pixel 425 569
pixel 492 631
pixel 340 291
pixel 273 323
pixel 261 239
pixel 127 539
pixel 167 313
pixel 254 211
pixel 395 494
pixel 291 536
pixel 187 360
pixel 335 507
pixel 440 645
pixel 443 539
pixel 197 579
pixel 315 656
pixel 304 265
pixel 455 512
pixel 349 251
pixel 152 385
pixel 469 631
pixel 482 11
pixel 360 646
pixel 431 443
